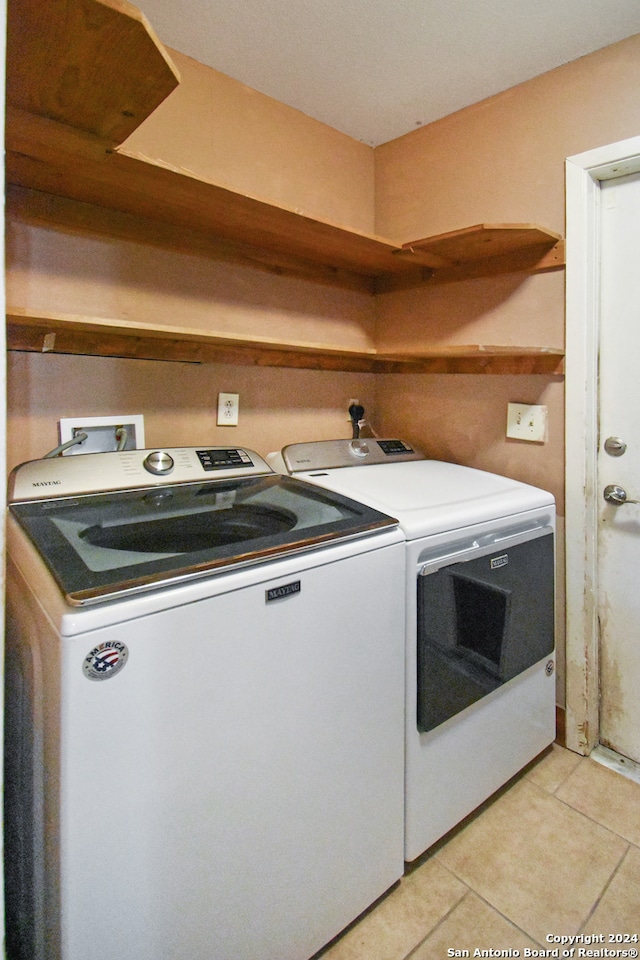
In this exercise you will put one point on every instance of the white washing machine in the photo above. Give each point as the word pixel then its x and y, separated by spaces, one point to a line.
pixel 479 595
pixel 204 729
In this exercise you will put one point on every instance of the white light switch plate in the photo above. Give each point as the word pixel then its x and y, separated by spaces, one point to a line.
pixel 525 422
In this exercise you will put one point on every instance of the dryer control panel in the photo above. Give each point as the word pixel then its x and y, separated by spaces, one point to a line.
pixel 329 454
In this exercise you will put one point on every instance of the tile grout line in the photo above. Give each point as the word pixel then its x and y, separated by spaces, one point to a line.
pixel 565 778
pixel 442 919
pixel 581 813
pixel 526 933
pixel 508 920
pixel 471 892
pixel 629 843
pixel 598 823
pixel 491 906
pixel 597 902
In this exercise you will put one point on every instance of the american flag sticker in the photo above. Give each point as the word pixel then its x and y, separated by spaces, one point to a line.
pixel 105 660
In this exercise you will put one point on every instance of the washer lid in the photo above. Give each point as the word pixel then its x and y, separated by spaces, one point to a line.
pixel 104 545
pixel 430 496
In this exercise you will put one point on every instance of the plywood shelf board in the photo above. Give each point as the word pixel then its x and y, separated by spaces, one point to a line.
pixel 477 349
pixel 44 209
pixel 136 186
pixel 262 232
pixel 94 65
pixel 129 328
pixel 484 250
pixel 57 333
pixel 481 242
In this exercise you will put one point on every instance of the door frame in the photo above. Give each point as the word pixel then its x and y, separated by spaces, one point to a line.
pixel 584 172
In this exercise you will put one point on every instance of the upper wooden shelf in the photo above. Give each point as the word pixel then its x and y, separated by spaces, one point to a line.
pixel 83 74
pixel 486 250
pixel 94 65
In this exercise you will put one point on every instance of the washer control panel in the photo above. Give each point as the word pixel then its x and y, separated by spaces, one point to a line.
pixel 129 469
pixel 220 458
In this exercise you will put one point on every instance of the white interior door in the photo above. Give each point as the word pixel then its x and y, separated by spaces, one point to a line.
pixel 619 467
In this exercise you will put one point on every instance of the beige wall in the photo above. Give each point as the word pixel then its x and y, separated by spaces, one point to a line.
pixel 501 160
pixel 255 145
pixel 463 418
pixel 79 273
pixel 498 161
pixel 178 401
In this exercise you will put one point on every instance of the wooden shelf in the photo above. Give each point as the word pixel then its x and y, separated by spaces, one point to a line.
pixel 94 66
pixel 486 250
pixel 248 228
pixel 83 74
pixel 477 358
pixel 93 336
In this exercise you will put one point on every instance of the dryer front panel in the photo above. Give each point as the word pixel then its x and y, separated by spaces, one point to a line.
pixel 481 622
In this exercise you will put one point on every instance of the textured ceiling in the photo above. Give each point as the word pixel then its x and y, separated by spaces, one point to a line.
pixel 376 69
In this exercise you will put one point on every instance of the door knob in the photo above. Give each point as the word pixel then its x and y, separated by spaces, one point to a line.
pixel 614 446
pixel 617 495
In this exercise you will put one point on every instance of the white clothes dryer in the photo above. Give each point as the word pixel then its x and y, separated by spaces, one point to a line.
pixel 479 618
pixel 204 731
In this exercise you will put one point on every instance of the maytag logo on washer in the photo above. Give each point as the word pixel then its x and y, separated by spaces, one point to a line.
pixel 500 561
pixel 287 590
pixel 105 660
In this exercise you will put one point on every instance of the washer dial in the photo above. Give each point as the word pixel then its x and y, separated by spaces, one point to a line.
pixel 159 462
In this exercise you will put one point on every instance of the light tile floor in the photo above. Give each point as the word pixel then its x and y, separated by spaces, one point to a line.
pixel 556 853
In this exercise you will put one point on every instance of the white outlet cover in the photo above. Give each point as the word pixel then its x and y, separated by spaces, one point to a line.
pixel 527 422
pixel 228 408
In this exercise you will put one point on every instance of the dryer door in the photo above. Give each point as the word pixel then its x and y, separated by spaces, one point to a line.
pixel 481 622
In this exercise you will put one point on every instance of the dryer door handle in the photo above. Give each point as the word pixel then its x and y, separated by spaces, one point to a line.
pixel 499 539
pixel 466 553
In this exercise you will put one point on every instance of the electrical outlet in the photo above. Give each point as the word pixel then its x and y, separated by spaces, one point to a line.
pixel 526 422
pixel 104 434
pixel 228 409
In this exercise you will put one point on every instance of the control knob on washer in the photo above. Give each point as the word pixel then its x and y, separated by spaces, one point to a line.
pixel 158 462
